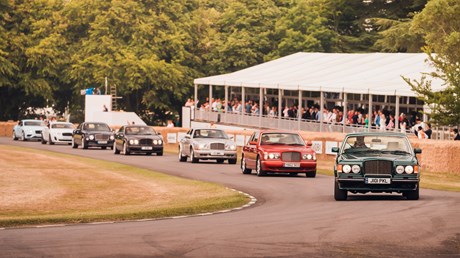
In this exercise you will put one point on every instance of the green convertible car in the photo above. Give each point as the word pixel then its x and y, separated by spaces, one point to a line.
pixel 378 163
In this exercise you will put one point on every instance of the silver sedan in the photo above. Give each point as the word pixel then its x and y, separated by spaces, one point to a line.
pixel 207 144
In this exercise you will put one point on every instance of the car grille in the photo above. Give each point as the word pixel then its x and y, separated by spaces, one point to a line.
pixel 38 132
pixel 378 167
pixel 217 146
pixel 290 156
pixel 66 134
pixel 145 141
pixel 102 137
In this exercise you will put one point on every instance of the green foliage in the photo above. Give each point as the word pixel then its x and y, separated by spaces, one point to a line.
pixel 440 26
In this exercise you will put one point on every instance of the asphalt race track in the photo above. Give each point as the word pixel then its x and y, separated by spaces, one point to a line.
pixel 293 217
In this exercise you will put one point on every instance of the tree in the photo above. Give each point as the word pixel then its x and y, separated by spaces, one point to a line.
pixel 440 26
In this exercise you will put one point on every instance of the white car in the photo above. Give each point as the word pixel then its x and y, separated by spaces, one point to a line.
pixel 58 132
pixel 28 129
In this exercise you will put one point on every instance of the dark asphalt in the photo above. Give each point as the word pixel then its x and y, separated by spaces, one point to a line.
pixel 293 217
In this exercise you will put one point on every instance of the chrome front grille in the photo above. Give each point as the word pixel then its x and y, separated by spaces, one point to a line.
pixel 145 141
pixel 66 134
pixel 290 156
pixel 101 137
pixel 217 146
pixel 378 167
pixel 38 132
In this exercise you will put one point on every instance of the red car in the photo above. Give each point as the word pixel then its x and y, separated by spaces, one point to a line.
pixel 278 152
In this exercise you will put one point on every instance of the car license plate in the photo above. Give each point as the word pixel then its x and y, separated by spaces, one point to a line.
pixel 217 153
pixel 146 148
pixel 102 142
pixel 292 165
pixel 375 180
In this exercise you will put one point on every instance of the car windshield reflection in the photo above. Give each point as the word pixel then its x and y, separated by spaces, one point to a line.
pixel 139 130
pixel 281 139
pixel 210 133
pixel 381 144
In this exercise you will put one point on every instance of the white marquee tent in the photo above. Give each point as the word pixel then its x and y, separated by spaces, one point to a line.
pixel 368 73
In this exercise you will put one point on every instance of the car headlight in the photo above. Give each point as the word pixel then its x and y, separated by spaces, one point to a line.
pixel 355 169
pixel 307 156
pixel 202 146
pixel 346 169
pixel 155 142
pixel 133 142
pixel 160 142
pixel 409 169
pixel 230 147
pixel 400 169
pixel 272 156
pixel 91 137
pixel 112 137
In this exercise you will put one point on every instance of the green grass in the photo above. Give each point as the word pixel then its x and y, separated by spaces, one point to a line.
pixel 81 190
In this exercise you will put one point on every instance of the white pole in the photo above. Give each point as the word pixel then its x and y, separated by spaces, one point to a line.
pixel 299 110
pixel 321 110
pixel 345 111
pixel 106 83
pixel 261 102
pixel 369 112
pixel 397 114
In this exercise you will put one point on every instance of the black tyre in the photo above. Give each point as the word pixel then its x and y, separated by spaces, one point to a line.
pixel 339 194
pixel 192 156
pixel 259 170
pixel 84 144
pixel 50 141
pixel 74 145
pixel 293 174
pixel 220 161
pixel 126 149
pixel 104 147
pixel 14 136
pixel 412 195
pixel 115 150
pixel 160 153
pixel 311 174
pixel 43 140
pixel 148 153
pixel 23 137
pixel 232 161
pixel 244 169
pixel 181 157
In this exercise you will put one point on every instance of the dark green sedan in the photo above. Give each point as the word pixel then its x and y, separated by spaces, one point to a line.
pixel 377 163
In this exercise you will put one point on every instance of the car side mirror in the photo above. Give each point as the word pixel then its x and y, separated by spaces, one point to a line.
pixel 158 133
pixel 252 143
pixel 417 151
pixel 335 149
pixel 187 136
pixel 231 137
pixel 309 143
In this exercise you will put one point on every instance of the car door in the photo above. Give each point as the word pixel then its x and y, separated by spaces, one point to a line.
pixel 250 150
pixel 46 132
pixel 186 142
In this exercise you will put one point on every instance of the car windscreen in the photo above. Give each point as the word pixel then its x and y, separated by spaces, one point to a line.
pixel 61 126
pixel 281 139
pixel 139 130
pixel 210 133
pixel 34 123
pixel 377 143
pixel 96 127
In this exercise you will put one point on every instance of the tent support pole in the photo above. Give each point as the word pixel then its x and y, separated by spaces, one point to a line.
pixel 243 107
pixel 369 112
pixel 397 114
pixel 261 103
pixel 280 102
pixel 321 111
pixel 299 109
pixel 225 105
pixel 345 111
pixel 196 96
pixel 210 102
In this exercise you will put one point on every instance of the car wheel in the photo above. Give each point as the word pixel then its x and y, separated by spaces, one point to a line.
pixel 259 170
pixel 160 153
pixel 244 169
pixel 181 158
pixel 192 156
pixel 339 194
pixel 74 145
pixel 311 174
pixel 115 150
pixel 14 136
pixel 104 147
pixel 43 140
pixel 148 153
pixel 23 137
pixel 125 149
pixel 293 174
pixel 232 161
pixel 412 195
pixel 220 161
pixel 50 141
pixel 84 144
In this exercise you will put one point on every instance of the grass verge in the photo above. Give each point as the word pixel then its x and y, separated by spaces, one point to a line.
pixel 39 187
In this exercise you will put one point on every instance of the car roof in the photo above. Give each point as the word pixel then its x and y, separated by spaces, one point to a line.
pixel 207 129
pixel 376 134
pixel 278 131
pixel 35 120
pixel 61 123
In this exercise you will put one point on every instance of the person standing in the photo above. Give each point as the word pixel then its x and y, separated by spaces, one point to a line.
pixel 428 131
pixel 420 133
pixel 456 135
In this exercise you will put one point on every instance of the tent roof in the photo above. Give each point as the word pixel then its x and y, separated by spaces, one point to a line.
pixel 374 73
